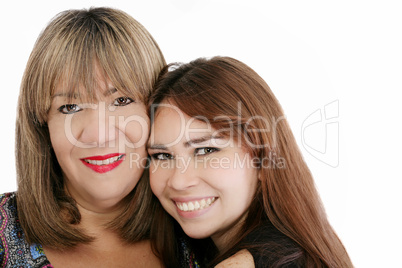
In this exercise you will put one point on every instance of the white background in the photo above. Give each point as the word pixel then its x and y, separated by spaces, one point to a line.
pixel 311 53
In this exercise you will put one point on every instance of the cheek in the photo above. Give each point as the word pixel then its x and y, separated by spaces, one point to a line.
pixel 136 129
pixel 158 179
pixel 249 182
pixel 66 131
pixel 58 138
pixel 239 181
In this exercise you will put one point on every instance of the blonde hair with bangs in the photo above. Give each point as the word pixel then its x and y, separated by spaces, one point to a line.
pixel 73 46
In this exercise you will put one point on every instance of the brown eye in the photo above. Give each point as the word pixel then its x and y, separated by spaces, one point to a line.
pixel 69 108
pixel 122 101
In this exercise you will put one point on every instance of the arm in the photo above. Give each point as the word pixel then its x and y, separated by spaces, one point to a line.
pixel 242 259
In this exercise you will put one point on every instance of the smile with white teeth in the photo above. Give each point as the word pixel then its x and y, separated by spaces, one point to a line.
pixel 104 162
pixel 195 205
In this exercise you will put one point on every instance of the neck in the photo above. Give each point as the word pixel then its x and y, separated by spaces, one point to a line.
pixel 95 220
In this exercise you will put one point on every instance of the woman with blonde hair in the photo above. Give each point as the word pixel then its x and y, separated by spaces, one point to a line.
pixel 226 167
pixel 81 131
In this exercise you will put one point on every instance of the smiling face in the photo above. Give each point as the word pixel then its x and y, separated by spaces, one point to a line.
pixel 204 180
pixel 100 146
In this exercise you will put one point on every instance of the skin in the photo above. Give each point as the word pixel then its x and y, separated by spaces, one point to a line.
pixel 242 259
pixel 112 124
pixel 191 162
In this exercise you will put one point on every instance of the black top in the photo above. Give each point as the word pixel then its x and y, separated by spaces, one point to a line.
pixel 270 248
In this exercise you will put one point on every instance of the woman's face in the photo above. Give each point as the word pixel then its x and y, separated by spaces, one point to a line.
pixel 100 146
pixel 204 180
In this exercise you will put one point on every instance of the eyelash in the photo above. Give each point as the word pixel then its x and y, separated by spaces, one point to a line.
pixel 207 150
pixel 125 99
pixel 161 156
pixel 68 108
pixel 167 156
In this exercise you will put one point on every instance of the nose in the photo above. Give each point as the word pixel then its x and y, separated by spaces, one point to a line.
pixel 185 174
pixel 98 127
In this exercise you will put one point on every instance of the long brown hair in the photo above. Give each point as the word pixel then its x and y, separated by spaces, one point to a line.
pixel 73 44
pixel 286 195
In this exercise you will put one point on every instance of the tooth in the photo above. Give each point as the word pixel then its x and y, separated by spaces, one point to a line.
pixel 93 162
pixel 195 205
pixel 203 203
pixel 190 206
pixel 105 162
pixel 99 162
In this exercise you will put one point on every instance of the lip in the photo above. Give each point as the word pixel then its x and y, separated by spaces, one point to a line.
pixel 103 168
pixel 195 213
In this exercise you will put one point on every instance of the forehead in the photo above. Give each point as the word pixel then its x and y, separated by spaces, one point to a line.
pixel 171 124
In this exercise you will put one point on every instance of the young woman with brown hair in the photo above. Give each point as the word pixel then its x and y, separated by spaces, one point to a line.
pixel 80 143
pixel 226 167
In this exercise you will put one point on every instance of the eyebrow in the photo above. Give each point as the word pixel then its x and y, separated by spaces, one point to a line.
pixel 187 143
pixel 107 93
pixel 110 91
pixel 201 140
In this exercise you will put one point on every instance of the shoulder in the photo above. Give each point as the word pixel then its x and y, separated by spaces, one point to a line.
pixel 7 223
pixel 242 258
pixel 6 198
pixel 8 208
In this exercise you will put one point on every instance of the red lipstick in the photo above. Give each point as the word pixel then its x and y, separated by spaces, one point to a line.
pixel 103 163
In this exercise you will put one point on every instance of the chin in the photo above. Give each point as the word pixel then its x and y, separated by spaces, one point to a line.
pixel 114 191
pixel 196 233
